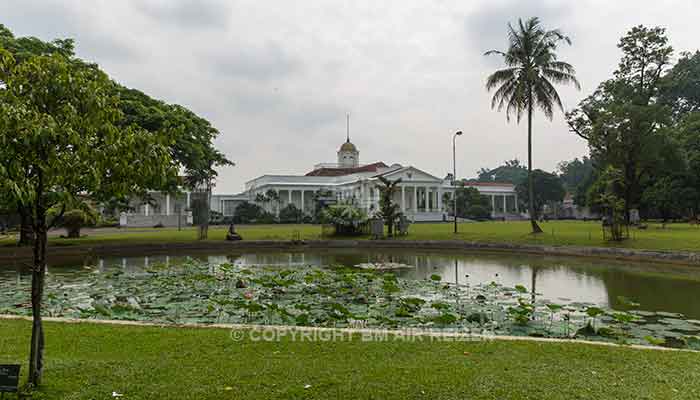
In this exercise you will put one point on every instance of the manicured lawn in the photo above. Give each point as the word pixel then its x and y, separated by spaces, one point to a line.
pixel 673 237
pixel 90 361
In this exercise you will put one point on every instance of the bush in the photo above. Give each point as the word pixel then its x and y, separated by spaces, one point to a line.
pixel 478 212
pixel 216 218
pixel 347 219
pixel 247 213
pixel 74 220
pixel 291 215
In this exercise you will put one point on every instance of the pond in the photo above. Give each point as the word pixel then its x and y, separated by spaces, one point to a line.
pixel 506 294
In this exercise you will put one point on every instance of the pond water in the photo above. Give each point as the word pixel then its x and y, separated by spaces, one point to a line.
pixel 475 293
pixel 668 288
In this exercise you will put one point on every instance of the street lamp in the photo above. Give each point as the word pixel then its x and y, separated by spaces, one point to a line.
pixel 454 175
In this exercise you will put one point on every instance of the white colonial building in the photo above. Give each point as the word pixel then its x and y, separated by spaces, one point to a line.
pixel 421 195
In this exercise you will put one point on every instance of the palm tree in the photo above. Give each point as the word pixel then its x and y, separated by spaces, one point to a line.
pixel 389 210
pixel 528 81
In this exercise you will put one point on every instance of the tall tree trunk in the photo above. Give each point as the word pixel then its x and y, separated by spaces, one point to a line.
pixel 26 230
pixel 204 227
pixel 530 183
pixel 36 354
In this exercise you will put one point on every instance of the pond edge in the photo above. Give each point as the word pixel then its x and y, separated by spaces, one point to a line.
pixel 14 254
pixel 455 336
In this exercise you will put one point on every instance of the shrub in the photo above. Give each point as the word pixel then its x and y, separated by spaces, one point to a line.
pixel 291 215
pixel 74 220
pixel 247 213
pixel 347 219
pixel 478 211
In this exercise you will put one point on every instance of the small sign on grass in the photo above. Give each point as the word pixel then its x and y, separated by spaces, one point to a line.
pixel 9 378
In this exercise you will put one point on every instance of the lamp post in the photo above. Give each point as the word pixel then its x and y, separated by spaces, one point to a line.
pixel 454 175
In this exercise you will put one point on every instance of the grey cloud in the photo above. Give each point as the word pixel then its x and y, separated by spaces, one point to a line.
pixel 187 13
pixel 487 25
pixel 58 20
pixel 263 63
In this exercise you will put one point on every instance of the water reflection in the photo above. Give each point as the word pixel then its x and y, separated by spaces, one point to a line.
pixel 657 288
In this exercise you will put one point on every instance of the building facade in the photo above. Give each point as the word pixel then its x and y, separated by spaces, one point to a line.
pixel 420 195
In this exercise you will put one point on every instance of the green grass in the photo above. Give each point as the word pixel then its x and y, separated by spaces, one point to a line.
pixel 90 361
pixel 578 233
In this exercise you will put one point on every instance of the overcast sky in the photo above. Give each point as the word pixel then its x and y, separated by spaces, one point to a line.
pixel 277 77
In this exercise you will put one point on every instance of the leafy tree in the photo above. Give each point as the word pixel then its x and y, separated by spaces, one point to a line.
pixel 471 203
pixel 511 171
pixel 388 210
pixel 575 172
pixel 665 197
pixel 680 87
pixel 60 139
pixel 188 136
pixel 527 82
pixel 611 183
pixel 547 188
pixel 622 120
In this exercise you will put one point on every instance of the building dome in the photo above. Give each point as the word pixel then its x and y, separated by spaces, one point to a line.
pixel 348 146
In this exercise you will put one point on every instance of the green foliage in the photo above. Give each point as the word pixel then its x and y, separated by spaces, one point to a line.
pixel 388 210
pixel 472 204
pixel 347 219
pixel 249 213
pixel 76 219
pixel 511 171
pixel 622 120
pixel 610 183
pixel 547 187
pixel 291 215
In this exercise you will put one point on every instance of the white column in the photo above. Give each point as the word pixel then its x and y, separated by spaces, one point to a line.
pixel 289 196
pixel 302 200
pixel 403 199
pixel 167 204
pixel 188 199
pixel 505 204
pixel 415 199
pixel 363 198
pixel 493 204
pixel 516 204
pixel 439 199
pixel 146 209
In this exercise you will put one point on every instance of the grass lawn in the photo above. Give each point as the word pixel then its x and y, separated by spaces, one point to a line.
pixel 673 237
pixel 90 361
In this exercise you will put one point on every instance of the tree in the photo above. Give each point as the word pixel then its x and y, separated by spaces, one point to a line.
pixel 471 203
pixel 680 87
pixel 511 171
pixel 527 82
pixel 606 197
pixel 188 136
pixel 22 49
pixel 547 188
pixel 388 210
pixel 59 135
pixel 622 120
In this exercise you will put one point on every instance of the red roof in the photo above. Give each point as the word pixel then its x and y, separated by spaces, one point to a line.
pixel 475 183
pixel 347 171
